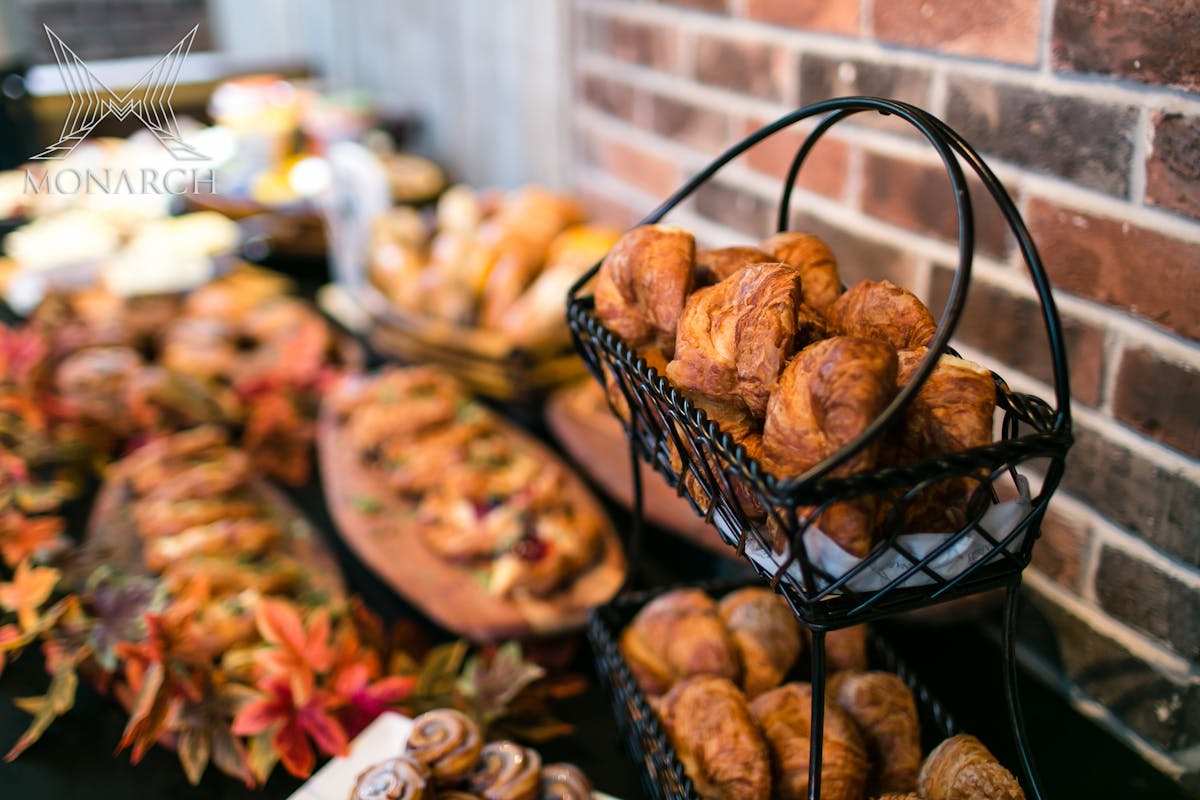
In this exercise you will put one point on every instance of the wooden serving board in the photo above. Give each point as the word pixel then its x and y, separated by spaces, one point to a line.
pixel 596 441
pixel 382 531
pixel 111 528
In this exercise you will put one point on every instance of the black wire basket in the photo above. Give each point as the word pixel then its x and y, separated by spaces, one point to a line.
pixel 772 520
pixel 664 777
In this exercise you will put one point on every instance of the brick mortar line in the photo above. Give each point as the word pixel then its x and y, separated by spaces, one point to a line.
pixel 686 61
pixel 1137 159
pixel 1065 503
pixel 1046 37
pixel 1016 178
pixel 866 19
pixel 1113 345
pixel 1138 644
pixel 938 94
pixel 1103 89
pixel 1157 454
pixel 854 187
pixel 1105 531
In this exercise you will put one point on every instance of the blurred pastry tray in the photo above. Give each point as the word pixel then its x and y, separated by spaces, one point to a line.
pixel 285 230
pixel 382 739
pixel 645 739
pixel 486 362
pixel 592 435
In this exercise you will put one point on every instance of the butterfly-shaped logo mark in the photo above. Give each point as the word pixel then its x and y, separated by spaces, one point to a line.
pixel 149 100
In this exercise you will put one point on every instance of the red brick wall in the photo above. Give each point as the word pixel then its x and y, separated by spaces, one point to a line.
pixel 1089 112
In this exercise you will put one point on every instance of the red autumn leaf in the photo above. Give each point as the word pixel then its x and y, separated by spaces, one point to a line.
pixel 278 437
pixel 295 753
pixel 362 699
pixel 293 724
pixel 148 690
pixel 29 589
pixel 298 652
pixel 9 638
pixel 22 350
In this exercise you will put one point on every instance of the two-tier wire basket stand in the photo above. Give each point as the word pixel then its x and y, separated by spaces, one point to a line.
pixel 1010 481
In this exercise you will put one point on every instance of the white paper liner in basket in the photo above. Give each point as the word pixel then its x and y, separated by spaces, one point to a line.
pixel 999 521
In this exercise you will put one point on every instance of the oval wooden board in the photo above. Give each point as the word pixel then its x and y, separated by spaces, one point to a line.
pixel 596 441
pixel 382 534
pixel 111 528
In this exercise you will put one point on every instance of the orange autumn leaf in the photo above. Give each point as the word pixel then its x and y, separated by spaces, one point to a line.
pixel 22 537
pixel 30 587
pixel 298 652
pixel 10 637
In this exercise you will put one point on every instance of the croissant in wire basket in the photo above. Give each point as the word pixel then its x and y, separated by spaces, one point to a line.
pixel 716 739
pixel 713 266
pixel 677 635
pixel 642 285
pixel 951 412
pixel 884 311
pixel 819 280
pixel 883 707
pixel 766 636
pixel 735 337
pixel 785 715
pixel 961 768
pixel 827 395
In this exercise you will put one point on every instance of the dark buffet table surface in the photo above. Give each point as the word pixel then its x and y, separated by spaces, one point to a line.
pixel 959 662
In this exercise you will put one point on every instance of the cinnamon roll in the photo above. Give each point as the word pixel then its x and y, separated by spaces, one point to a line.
pixel 565 782
pixel 447 742
pixel 507 771
pixel 395 779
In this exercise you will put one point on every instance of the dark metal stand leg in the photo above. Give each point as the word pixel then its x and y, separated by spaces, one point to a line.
pixel 817 731
pixel 1015 718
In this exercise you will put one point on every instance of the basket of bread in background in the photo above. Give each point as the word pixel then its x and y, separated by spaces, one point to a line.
pixel 478 286
pixel 709 684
